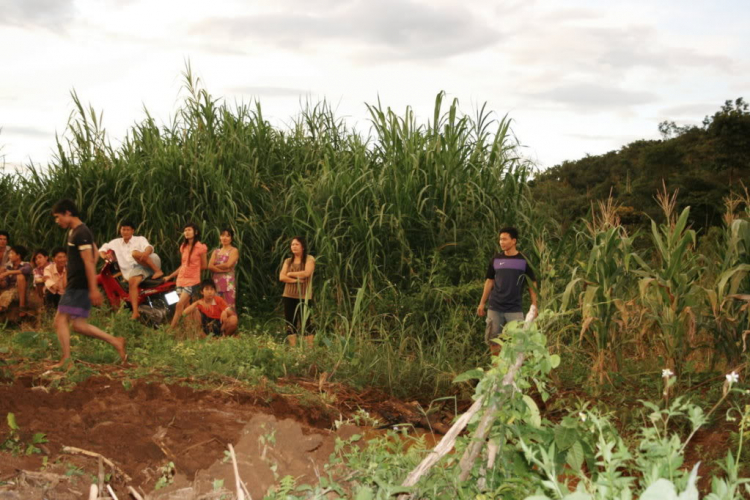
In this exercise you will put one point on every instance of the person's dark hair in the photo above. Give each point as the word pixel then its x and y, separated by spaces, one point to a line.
pixel 128 223
pixel 65 205
pixel 196 238
pixel 302 242
pixel 20 250
pixel 229 231
pixel 58 250
pixel 207 284
pixel 510 231
pixel 6 234
pixel 40 251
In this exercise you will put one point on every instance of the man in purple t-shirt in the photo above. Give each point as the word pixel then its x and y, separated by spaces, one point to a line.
pixel 504 284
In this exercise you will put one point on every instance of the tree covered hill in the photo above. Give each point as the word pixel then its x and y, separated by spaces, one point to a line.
pixel 705 163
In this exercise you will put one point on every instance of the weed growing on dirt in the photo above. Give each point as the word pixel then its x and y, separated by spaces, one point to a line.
pixel 14 442
pixel 166 477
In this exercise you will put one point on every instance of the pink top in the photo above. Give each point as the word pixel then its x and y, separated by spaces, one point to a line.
pixel 190 272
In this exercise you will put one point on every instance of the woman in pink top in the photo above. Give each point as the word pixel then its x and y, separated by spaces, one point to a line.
pixel 193 261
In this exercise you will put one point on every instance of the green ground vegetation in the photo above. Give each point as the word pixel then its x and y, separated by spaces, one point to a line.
pixel 402 222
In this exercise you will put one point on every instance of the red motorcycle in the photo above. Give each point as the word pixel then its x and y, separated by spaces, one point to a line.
pixel 156 298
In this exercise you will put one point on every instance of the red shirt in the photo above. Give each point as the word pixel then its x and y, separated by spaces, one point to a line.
pixel 214 311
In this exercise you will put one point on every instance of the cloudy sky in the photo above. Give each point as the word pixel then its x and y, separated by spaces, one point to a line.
pixel 576 76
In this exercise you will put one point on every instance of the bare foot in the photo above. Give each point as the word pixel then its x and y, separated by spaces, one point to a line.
pixel 121 350
pixel 135 316
pixel 65 362
pixel 157 275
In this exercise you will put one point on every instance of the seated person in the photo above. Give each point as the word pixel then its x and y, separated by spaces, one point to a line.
pixel 15 278
pixel 39 260
pixel 4 241
pixel 136 259
pixel 55 278
pixel 217 318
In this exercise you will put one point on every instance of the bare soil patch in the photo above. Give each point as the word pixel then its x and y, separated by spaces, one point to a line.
pixel 143 425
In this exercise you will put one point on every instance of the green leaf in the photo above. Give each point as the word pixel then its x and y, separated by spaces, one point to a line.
pixel 365 493
pixel 565 437
pixel 578 495
pixel 475 374
pixel 575 456
pixel 12 422
pixel 662 489
pixel 536 418
pixel 554 360
pixel 691 491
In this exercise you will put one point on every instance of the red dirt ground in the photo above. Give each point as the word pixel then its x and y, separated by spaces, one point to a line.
pixel 148 425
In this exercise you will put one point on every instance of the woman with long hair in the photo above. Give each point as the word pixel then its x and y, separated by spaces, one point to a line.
pixel 296 274
pixel 192 262
pixel 222 263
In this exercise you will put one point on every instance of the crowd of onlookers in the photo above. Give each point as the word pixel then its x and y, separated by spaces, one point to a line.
pixel 44 275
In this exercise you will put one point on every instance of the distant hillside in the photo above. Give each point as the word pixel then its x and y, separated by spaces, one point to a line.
pixel 705 162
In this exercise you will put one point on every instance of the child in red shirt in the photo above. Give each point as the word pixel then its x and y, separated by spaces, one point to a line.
pixel 217 318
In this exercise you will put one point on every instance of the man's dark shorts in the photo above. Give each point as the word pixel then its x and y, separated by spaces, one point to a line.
pixel 75 302
pixel 211 326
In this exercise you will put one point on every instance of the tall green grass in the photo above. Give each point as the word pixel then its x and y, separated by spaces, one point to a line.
pixel 389 206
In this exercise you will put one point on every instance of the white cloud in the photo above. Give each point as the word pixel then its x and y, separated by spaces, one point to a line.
pixel 584 78
pixel 52 14
pixel 389 28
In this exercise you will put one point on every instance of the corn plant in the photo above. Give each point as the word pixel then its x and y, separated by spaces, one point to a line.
pixel 603 284
pixel 669 287
pixel 727 312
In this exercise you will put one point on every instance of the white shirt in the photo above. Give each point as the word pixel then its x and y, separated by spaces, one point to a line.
pixel 55 281
pixel 124 251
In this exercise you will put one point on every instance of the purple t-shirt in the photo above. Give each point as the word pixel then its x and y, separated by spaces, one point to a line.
pixel 510 274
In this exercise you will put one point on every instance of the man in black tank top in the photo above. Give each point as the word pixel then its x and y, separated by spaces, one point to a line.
pixel 82 290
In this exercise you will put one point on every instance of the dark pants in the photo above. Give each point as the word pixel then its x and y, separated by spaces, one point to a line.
pixel 51 300
pixel 293 312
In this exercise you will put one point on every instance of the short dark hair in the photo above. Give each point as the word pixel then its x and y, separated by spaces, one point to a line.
pixel 6 234
pixel 65 205
pixel 58 250
pixel 510 231
pixel 20 250
pixel 39 251
pixel 128 223
pixel 208 284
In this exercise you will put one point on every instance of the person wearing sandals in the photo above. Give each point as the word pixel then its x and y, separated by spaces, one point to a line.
pixel 222 263
pixel 193 261
pixel 296 274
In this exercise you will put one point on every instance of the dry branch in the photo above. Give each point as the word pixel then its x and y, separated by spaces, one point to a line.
pixel 78 451
pixel 449 440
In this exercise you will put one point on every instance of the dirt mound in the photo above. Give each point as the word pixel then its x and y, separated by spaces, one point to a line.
pixel 267 451
pixel 143 426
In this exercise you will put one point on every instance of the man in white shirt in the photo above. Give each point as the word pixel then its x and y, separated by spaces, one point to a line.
pixel 136 259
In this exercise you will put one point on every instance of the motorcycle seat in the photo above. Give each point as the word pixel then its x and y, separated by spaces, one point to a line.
pixel 147 283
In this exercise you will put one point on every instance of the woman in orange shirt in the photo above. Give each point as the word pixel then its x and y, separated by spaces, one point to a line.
pixel 193 261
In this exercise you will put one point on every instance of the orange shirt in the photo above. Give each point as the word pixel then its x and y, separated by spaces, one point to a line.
pixel 190 267
pixel 213 311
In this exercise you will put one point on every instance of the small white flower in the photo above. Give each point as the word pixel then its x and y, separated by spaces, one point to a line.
pixel 733 377
pixel 583 417
pixel 666 373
